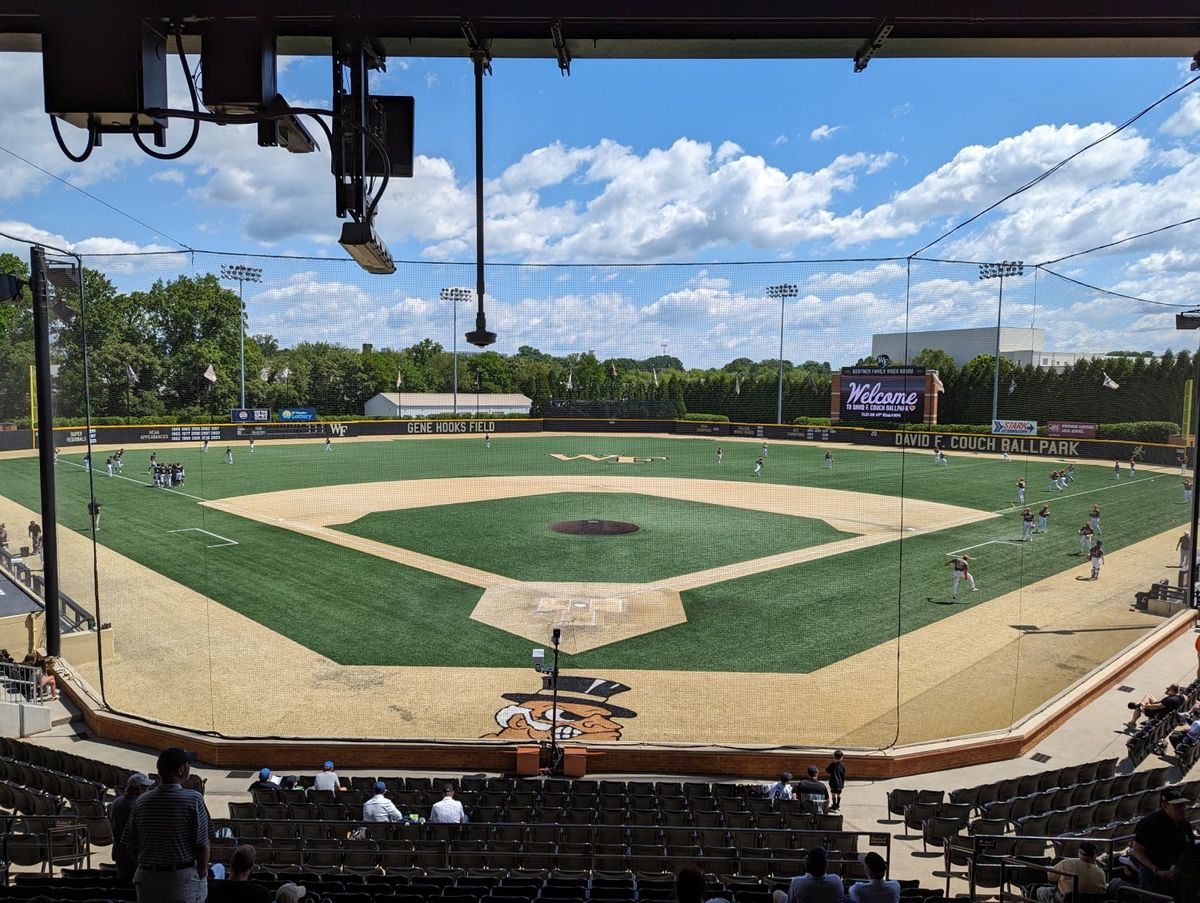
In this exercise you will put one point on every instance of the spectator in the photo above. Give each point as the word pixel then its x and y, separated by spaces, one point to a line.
pixel 167 835
pixel 836 770
pixel 379 807
pixel 264 781
pixel 118 814
pixel 811 790
pixel 814 886
pixel 447 810
pixel 1091 876
pixel 290 893
pixel 877 889
pixel 4 537
pixel 237 886
pixel 781 789
pixel 1188 736
pixel 690 887
pixel 327 779
pixel 290 782
pixel 1172 701
pixel 1159 840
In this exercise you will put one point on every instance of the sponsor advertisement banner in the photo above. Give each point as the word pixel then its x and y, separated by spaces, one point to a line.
pixel 1014 427
pixel 1071 428
pixel 297 415
pixel 249 415
pixel 894 394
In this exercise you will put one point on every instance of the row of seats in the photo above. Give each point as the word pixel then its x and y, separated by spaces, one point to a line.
pixel 1010 788
pixel 1080 794
pixel 1151 735
pixel 1103 812
pixel 38 777
pixel 81 767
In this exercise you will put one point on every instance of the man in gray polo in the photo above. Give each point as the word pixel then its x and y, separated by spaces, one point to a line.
pixel 167 835
pixel 118 814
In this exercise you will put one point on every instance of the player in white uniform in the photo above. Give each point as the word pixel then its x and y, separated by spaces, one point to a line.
pixel 719 454
pixel 962 571
pixel 1021 491
pixel 487 441
pixel 108 466
pixel 1085 538
pixel 251 446
pixel 758 467
pixel 204 448
pixel 1043 515
pixel 328 444
pixel 1116 470
pixel 1027 525
pixel 764 450
pixel 1007 459
pixel 1133 467
pixel 228 455
pixel 828 460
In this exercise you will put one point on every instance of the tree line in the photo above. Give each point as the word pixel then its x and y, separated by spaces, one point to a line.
pixel 145 355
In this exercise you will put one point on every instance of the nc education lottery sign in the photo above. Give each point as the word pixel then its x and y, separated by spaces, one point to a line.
pixel 1014 427
pixel 882 394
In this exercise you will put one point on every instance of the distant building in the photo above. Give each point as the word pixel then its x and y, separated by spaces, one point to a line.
pixel 420 404
pixel 1020 345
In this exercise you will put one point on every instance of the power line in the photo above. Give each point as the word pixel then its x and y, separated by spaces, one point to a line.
pixel 128 216
pixel 1059 165
pixel 1121 241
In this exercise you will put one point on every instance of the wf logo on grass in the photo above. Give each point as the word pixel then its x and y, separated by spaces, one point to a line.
pixel 611 459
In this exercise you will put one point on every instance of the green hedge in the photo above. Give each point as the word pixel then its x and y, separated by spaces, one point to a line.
pixel 709 418
pixel 1139 431
pixel 23 424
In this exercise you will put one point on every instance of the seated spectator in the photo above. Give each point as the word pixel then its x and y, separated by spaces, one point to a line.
pixel 1188 736
pixel 814 886
pixel 46 681
pixel 447 810
pixel 264 781
pixel 781 789
pixel 290 782
pixel 290 893
pixel 877 889
pixel 811 790
pixel 690 887
pixel 237 886
pixel 379 807
pixel 1171 701
pixel 1091 877
pixel 118 815
pixel 327 779
pixel 1159 840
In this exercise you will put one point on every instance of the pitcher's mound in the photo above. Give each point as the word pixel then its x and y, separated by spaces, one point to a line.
pixel 594 527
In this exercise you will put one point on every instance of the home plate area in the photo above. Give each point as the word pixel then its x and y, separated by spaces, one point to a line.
pixel 589 615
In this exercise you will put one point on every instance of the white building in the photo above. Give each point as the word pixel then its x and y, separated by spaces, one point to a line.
pixel 1020 345
pixel 419 404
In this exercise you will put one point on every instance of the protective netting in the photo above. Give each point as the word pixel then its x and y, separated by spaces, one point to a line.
pixel 387 577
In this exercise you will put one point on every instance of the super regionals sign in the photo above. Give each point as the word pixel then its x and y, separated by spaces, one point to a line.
pixel 1014 427
pixel 882 393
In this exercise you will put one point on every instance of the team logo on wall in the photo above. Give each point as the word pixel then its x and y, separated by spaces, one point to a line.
pixel 611 459
pixel 584 712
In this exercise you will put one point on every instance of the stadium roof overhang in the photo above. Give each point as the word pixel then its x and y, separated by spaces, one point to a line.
pixel 612 29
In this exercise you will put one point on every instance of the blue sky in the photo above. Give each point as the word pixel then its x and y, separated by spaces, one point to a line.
pixel 653 162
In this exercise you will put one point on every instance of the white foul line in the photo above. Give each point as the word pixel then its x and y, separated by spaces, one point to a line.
pixel 224 540
pixel 139 482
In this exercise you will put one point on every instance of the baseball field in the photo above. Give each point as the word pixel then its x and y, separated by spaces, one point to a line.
pixel 395 587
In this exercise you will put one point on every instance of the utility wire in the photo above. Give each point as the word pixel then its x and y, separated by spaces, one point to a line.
pixel 128 216
pixel 1120 241
pixel 1059 165
pixel 1109 291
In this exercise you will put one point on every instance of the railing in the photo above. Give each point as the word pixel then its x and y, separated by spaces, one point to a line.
pixel 74 617
pixel 19 683
pixel 977 850
pixel 1009 863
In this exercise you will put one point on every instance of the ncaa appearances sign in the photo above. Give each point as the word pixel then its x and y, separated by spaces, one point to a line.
pixel 882 393
pixel 1014 427
pixel 298 415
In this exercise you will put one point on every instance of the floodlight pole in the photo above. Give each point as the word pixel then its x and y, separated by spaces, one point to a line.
pixel 999 271
pixel 1191 320
pixel 782 292
pixel 240 274
pixel 454 295
pixel 45 441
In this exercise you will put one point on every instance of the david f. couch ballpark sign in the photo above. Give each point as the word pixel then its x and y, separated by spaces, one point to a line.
pixel 882 394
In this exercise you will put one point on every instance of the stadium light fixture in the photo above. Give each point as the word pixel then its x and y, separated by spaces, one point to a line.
pixel 782 292
pixel 999 271
pixel 454 295
pixel 367 248
pixel 240 274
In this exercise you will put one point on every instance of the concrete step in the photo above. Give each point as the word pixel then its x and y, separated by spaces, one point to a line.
pixel 62 712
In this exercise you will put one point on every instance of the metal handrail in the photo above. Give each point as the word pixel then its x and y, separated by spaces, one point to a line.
pixel 80 618
pixel 1126 891
pixel 1010 861
pixel 19 683
pixel 975 854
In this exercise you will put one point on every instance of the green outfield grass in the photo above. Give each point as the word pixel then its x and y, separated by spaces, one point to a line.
pixel 359 609
pixel 512 536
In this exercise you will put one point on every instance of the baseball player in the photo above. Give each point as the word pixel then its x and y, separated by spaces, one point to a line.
pixel 251 445
pixel 962 571
pixel 1097 556
pixel 1182 459
pixel 1085 539
pixel 719 454
pixel 764 450
pixel 1116 470
pixel 1043 516
pixel 87 462
pixel 1070 473
pixel 1187 490
pixel 1184 547
pixel 1053 481
pixel 328 444
pixel 204 447
pixel 93 509
pixel 119 460
pixel 1027 525
pixel 228 455
pixel 828 460
pixel 1007 459
pixel 758 467
pixel 1094 518
pixel 1021 491
pixel 56 456
pixel 487 441
pixel 1132 467
pixel 108 465
pixel 1062 480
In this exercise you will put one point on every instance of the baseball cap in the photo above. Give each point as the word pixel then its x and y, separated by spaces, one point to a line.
pixel 137 779
pixel 328 766
pixel 290 893
pixel 174 758
pixel 1172 796
pixel 380 787
pixel 264 773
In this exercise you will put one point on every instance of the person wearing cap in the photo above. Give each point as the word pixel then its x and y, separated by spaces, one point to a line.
pixel 781 789
pixel 447 810
pixel 379 807
pixel 691 887
pixel 118 814
pixel 1172 701
pixel 962 571
pixel 327 779
pixel 811 790
pixel 1160 839
pixel 290 893
pixel 877 889
pixel 814 886
pixel 1091 878
pixel 167 835
pixel 237 887
pixel 264 781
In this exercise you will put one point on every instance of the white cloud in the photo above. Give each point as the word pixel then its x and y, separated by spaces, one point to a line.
pixel 779 140
pixel 901 110
pixel 174 176
pixel 823 132
pixel 1186 120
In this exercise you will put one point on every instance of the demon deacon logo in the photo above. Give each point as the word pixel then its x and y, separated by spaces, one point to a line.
pixel 584 712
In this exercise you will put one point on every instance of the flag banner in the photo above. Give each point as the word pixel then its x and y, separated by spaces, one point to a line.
pixel 1012 387
pixel 210 374
pixel 399 379
pixel 937 382
pixel 737 385
pixel 654 370
pixel 1110 383
pixel 570 379
pixel 131 375
pixel 613 366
